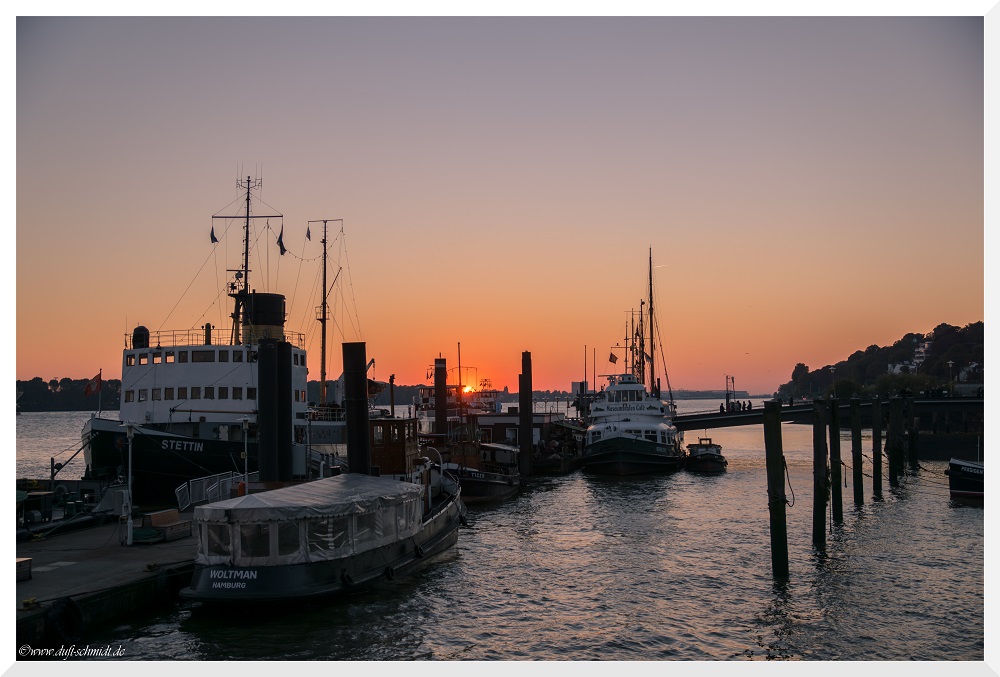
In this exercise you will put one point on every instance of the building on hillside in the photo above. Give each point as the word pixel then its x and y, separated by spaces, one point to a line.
pixel 920 352
pixel 905 367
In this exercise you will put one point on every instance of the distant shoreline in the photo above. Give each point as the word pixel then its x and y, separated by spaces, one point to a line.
pixel 678 395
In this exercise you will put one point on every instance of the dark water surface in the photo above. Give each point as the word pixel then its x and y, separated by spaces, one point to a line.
pixel 675 567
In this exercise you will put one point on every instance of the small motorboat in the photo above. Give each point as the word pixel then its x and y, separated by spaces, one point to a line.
pixel 705 456
pixel 965 480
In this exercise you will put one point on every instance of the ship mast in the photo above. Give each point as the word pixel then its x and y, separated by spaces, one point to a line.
pixel 246 240
pixel 323 314
pixel 239 289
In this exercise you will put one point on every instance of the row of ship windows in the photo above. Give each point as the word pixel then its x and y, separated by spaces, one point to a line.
pixel 198 393
pixel 625 396
pixel 181 356
pixel 322 536
pixel 649 435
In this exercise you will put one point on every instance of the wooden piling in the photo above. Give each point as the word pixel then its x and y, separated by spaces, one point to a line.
pixel 877 447
pixel 859 487
pixel 525 435
pixel 894 440
pixel 819 475
pixel 836 491
pixel 775 462
pixel 910 423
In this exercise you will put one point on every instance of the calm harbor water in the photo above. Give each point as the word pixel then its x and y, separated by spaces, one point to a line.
pixel 585 568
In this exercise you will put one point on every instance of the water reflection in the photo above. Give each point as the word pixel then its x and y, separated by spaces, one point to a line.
pixel 676 566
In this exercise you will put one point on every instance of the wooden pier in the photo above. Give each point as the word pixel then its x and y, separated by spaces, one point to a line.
pixel 901 445
pixel 83 580
pixel 942 407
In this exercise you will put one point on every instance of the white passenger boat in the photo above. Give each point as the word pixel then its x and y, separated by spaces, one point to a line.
pixel 630 430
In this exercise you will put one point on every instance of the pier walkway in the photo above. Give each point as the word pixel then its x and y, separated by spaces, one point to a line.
pixel 86 578
pixel 802 413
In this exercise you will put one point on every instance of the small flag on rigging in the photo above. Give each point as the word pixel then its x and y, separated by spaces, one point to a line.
pixel 214 239
pixel 308 236
pixel 613 358
pixel 281 245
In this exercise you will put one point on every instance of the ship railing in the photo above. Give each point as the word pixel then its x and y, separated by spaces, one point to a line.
pixel 326 456
pixel 170 338
pixel 209 489
pixel 328 414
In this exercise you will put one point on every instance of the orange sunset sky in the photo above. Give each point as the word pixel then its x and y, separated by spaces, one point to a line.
pixel 809 186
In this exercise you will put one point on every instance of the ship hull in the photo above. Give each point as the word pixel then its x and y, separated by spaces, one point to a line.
pixel 706 463
pixel 624 456
pixel 161 461
pixel 480 486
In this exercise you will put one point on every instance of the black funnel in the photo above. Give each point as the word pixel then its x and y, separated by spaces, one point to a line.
pixel 356 407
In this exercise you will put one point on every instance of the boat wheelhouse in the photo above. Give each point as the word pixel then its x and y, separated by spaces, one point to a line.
pixel 426 406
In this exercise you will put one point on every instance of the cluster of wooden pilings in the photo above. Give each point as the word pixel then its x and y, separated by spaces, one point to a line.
pixel 900 446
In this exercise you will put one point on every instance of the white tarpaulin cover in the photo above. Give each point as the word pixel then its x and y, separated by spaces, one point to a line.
pixel 348 494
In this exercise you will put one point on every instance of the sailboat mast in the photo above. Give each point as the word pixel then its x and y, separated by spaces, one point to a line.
pixel 652 345
pixel 461 421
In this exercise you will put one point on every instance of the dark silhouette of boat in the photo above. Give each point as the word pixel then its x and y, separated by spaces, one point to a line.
pixel 705 457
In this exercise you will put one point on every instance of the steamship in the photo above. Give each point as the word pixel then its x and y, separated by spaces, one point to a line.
pixel 194 397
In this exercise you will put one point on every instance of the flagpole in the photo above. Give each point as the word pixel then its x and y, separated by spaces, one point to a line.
pixel 99 384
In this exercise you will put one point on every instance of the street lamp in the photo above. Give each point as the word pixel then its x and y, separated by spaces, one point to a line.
pixel 129 431
pixel 833 381
pixel 310 412
pixel 245 421
pixel 951 383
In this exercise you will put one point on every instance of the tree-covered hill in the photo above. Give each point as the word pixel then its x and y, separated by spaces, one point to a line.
pixel 867 372
pixel 67 395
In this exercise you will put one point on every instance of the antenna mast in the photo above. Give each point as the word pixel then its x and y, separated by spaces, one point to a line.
pixel 239 289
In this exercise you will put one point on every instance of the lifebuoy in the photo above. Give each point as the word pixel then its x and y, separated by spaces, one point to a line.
pixel 346 579
pixel 389 573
